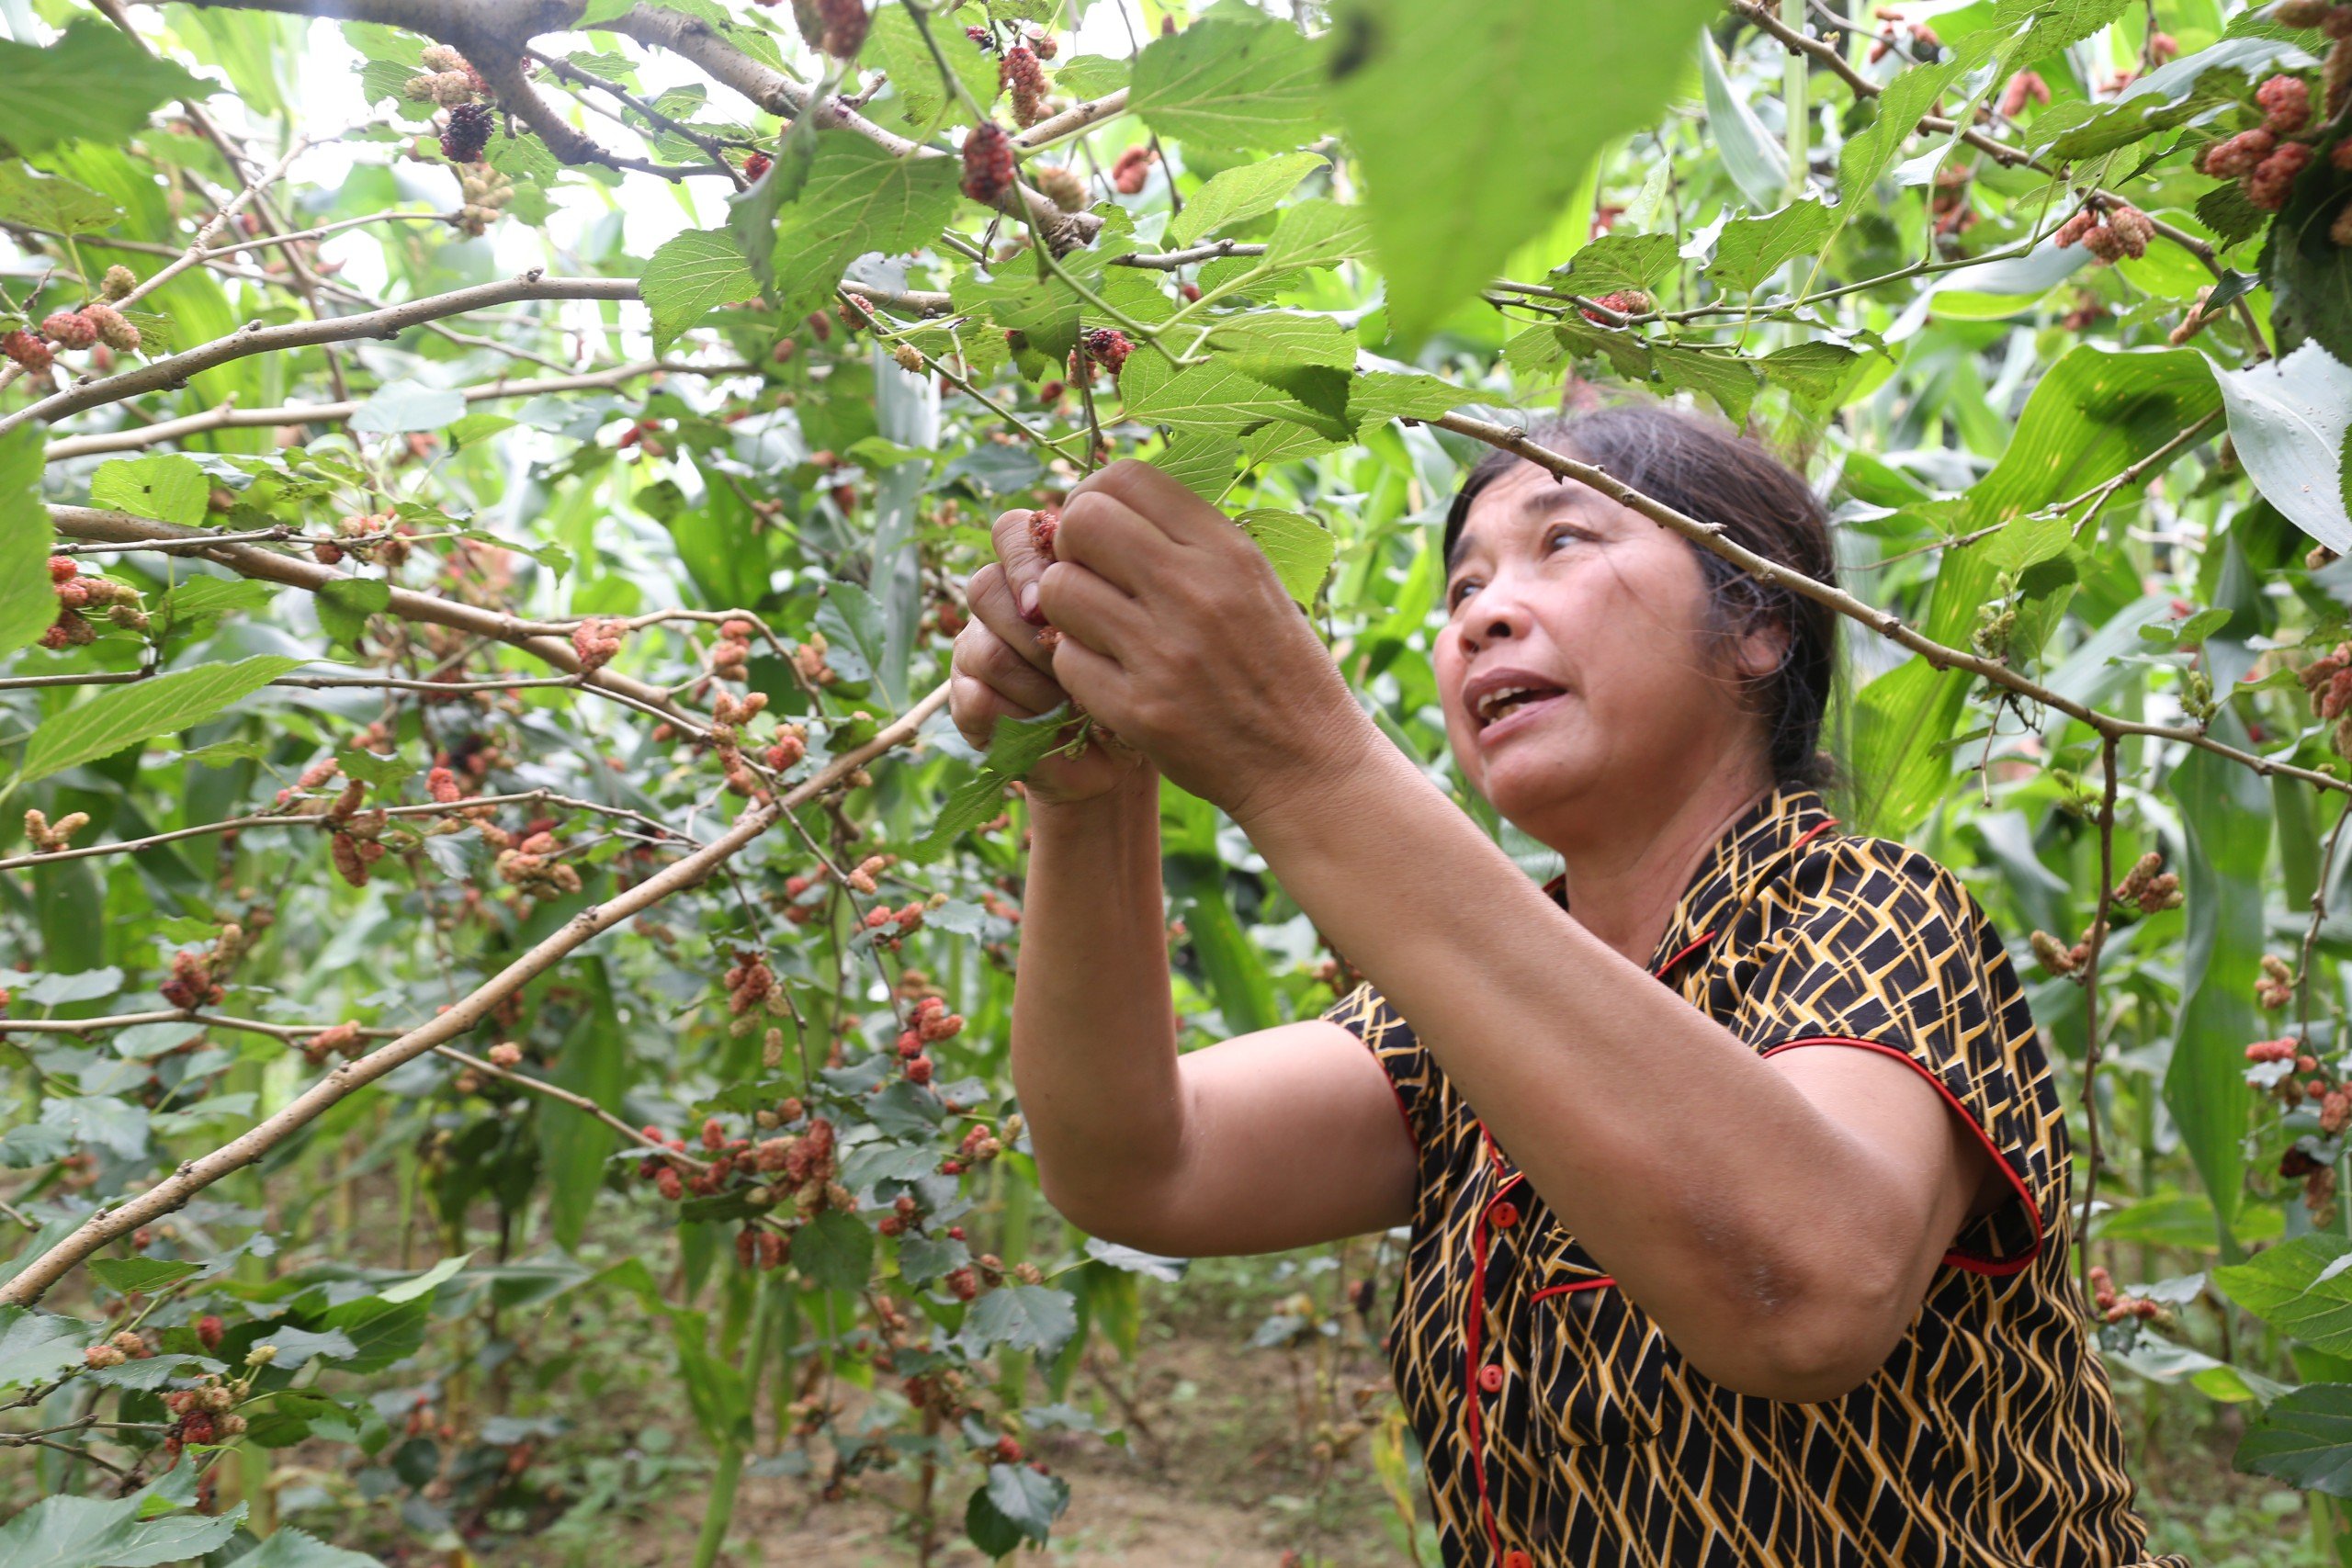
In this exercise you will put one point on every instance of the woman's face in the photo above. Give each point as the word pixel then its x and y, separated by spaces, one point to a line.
pixel 1602 613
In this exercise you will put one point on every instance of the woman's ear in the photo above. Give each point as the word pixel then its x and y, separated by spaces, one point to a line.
pixel 1760 652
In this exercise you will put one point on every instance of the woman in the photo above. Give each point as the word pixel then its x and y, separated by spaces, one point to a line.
pixel 1680 1291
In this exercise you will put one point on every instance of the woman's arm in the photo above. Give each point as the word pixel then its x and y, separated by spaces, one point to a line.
pixel 1779 1220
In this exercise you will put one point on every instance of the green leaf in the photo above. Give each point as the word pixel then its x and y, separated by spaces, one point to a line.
pixel 923 96
pixel 692 274
pixel 1235 970
pixel 90 1532
pixel 833 1252
pixel 1218 396
pixel 1228 83
pixel 1870 152
pixel 2301 1287
pixel 1750 250
pixel 1469 140
pixel 1300 549
pixel 1093 75
pixel 291 1548
pixel 201 599
pixel 858 198
pixel 1017 746
pixel 2228 841
pixel 29 197
pixel 29 604
pixel 1240 194
pixel 856 640
pixel 400 407
pixel 380 1332
pixel 988 1529
pixel 35 1346
pixel 425 1284
pixel 123 716
pixel 96 83
pixel 594 1064
pixel 1752 155
pixel 1615 262
pixel 1318 232
pixel 1025 1317
pixel 1028 1501
pixel 345 604
pixel 2304 1439
pixel 124 1275
pixel 170 489
pixel 2288 419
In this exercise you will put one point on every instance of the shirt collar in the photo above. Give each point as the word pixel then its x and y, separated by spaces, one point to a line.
pixel 1775 824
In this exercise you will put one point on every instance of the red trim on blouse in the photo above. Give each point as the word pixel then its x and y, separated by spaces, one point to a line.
pixel 1610 1280
pixel 1998 1267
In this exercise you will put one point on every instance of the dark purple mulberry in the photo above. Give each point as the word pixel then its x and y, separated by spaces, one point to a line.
pixel 468 134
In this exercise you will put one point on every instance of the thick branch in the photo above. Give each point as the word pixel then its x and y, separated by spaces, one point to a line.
pixel 194 1176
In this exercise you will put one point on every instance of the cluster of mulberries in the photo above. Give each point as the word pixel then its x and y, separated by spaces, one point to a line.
pixel 2149 886
pixel 596 639
pixel 485 194
pixel 2109 234
pixel 1625 302
pixel 1108 347
pixel 2328 681
pixel 756 166
pixel 836 26
pixel 2115 1305
pixel 129 1344
pixel 809 659
pixel 447 79
pixel 49 837
pixel 731 654
pixel 1924 41
pixel 2025 87
pixel 988 164
pixel 531 866
pixel 1064 187
pixel 191 985
pixel 1020 73
pixel 77 595
pixel 2288 1071
pixel 1132 168
pixel 2276 986
pixel 467 132
pixel 335 1040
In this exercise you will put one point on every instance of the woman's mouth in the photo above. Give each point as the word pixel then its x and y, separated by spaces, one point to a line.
pixel 1512 711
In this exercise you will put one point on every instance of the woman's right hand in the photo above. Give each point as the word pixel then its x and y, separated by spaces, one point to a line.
pixel 1002 670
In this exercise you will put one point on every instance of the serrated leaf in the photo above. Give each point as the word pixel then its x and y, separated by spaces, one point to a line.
pixel 833 1252
pixel 27 602
pixel 923 97
pixel 2289 420
pixel 857 198
pixel 692 274
pixel 1026 1317
pixel 36 1346
pixel 28 197
pixel 1469 144
pixel 2304 1439
pixel 124 1275
pixel 1229 83
pixel 345 604
pixel 171 488
pixel 1750 250
pixel 1220 396
pixel 94 83
pixel 1028 1501
pixel 1240 194
pixel 1301 551
pixel 1615 262
pixel 291 1547
pixel 1870 152
pixel 1283 337
pixel 91 1532
pixel 400 407
pixel 1015 747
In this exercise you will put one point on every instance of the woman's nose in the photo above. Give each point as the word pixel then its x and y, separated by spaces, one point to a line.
pixel 1493 618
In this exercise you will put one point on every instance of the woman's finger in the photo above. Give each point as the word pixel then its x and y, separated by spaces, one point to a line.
pixel 1087 606
pixel 975 706
pixel 1105 534
pixel 983 655
pixel 1024 563
pixel 989 594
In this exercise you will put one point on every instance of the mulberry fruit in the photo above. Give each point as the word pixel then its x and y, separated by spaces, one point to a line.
pixel 2269 185
pixel 116 331
pixel 208 1330
pixel 2025 87
pixel 26 350
pixel 1043 527
pixel 988 164
pixel 756 166
pixel 468 134
pixel 1131 169
pixel 119 280
pixel 909 357
pixel 844 28
pixel 1063 187
pixel 1109 348
pixel 1025 79
pixel 2286 104
pixel 70 329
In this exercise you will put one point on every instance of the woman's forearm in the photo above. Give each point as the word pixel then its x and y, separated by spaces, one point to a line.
pixel 1093 1027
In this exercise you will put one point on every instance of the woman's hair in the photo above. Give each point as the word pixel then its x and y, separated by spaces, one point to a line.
pixel 1715 476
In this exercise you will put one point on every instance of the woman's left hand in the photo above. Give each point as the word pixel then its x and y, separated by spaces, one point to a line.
pixel 1180 637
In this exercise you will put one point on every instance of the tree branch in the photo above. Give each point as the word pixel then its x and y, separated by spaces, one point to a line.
pixel 114 1221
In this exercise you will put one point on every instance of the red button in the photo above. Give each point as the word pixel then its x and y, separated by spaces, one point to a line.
pixel 1515 1558
pixel 1490 1378
pixel 1504 1214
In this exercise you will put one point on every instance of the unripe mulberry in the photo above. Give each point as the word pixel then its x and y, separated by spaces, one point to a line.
pixel 98 1356
pixel 506 1054
pixel 1025 79
pixel 596 641
pixel 963 1282
pixel 467 133
pixel 2238 156
pixel 1131 169
pixel 2132 228
pixel 909 358
pixel 1043 526
pixel 2269 186
pixel 1062 186
pixel 2286 104
pixel 119 280
pixel 70 329
pixel 669 1183
pixel 26 350
pixel 348 861
pixel 988 164
pixel 2025 87
pixel 1109 348
pixel 114 330
pixel 844 28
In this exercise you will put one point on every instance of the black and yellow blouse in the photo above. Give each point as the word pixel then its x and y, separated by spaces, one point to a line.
pixel 1559 1424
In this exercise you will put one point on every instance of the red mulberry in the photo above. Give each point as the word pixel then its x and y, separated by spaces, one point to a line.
pixel 1131 169
pixel 2025 87
pixel 1043 526
pixel 2286 103
pixel 756 166
pixel 845 23
pixel 26 350
pixel 114 330
pixel 988 164
pixel 70 329
pixel 468 134
pixel 1025 79
pixel 1108 348
pixel 208 1330
pixel 2239 154
pixel 2269 185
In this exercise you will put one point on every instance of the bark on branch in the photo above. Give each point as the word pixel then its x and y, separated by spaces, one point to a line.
pixel 114 1220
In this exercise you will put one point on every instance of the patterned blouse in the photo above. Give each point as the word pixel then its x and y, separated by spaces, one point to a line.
pixel 1560 1425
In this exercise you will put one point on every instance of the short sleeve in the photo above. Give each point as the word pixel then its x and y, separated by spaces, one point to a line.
pixel 1365 1013
pixel 1876 946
